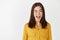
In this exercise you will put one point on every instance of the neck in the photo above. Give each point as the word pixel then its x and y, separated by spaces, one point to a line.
pixel 38 24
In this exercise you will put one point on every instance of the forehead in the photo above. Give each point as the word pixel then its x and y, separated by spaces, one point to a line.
pixel 37 8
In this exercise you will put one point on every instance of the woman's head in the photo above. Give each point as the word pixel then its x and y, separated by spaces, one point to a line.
pixel 37 15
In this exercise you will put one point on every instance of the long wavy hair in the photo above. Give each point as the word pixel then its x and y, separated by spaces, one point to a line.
pixel 32 21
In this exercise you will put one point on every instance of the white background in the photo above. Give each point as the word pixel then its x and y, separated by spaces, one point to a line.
pixel 15 13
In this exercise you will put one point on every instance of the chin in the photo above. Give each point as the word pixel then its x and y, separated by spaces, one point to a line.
pixel 37 20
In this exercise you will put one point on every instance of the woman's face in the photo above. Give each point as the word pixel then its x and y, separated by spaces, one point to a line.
pixel 38 13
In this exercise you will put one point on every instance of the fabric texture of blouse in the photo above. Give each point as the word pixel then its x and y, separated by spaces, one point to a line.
pixel 37 34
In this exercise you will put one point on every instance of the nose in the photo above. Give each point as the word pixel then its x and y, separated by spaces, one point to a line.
pixel 38 13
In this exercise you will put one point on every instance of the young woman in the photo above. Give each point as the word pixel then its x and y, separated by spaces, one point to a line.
pixel 37 28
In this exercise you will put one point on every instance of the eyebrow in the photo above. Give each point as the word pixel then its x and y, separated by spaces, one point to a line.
pixel 39 9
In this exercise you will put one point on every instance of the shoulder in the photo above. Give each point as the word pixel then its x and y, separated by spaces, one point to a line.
pixel 26 25
pixel 48 25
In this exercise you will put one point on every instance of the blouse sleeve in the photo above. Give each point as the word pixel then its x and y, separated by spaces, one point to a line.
pixel 49 33
pixel 25 36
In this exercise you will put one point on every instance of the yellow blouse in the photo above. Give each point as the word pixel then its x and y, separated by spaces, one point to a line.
pixel 35 34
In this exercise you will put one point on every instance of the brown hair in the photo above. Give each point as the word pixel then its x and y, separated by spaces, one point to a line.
pixel 32 21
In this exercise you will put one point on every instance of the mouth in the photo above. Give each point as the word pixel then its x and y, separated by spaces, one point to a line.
pixel 37 16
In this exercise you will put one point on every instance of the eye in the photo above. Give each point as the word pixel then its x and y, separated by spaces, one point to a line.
pixel 40 10
pixel 35 11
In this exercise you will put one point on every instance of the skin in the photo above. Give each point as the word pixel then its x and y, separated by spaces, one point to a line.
pixel 38 13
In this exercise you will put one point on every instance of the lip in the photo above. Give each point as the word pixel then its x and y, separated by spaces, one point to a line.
pixel 37 16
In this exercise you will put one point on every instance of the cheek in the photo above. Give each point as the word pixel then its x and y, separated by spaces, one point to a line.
pixel 41 14
pixel 35 14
